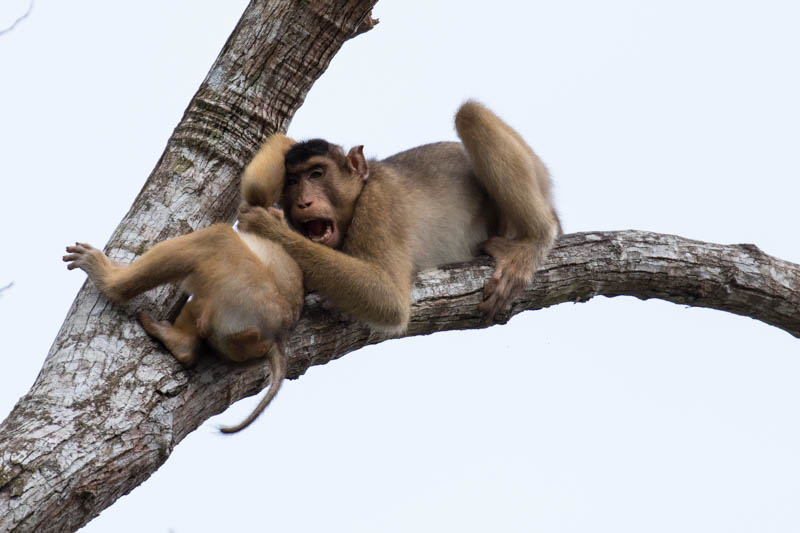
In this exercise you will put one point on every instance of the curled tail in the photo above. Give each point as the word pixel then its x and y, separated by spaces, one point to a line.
pixel 262 180
pixel 277 363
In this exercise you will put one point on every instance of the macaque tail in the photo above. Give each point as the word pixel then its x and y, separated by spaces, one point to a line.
pixel 262 180
pixel 277 363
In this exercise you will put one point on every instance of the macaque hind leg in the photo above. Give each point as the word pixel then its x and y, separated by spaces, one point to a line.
pixel 168 261
pixel 180 338
pixel 518 183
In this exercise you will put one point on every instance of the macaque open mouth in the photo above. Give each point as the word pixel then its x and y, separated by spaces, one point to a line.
pixel 318 230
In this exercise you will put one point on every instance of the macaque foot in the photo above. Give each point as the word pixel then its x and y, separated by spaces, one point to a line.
pixel 183 345
pixel 516 264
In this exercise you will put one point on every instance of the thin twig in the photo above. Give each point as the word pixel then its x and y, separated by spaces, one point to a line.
pixel 19 19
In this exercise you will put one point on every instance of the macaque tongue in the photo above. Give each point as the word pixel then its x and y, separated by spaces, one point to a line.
pixel 316 228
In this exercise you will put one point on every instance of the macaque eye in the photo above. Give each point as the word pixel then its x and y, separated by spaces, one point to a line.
pixel 316 173
pixel 291 181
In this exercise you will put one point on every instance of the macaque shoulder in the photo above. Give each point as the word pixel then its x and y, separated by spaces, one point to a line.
pixel 381 223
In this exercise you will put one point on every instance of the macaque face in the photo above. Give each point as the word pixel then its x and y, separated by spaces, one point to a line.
pixel 320 196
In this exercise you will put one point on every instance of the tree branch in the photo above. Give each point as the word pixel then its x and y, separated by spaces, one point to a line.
pixel 740 279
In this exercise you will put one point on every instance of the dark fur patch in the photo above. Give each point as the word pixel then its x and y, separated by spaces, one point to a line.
pixel 306 149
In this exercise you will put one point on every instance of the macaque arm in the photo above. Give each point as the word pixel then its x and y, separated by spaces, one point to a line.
pixel 371 292
pixel 373 284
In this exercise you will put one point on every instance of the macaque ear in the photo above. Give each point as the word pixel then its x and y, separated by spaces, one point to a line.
pixel 356 162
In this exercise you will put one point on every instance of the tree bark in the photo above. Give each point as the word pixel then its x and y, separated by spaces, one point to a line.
pixel 110 403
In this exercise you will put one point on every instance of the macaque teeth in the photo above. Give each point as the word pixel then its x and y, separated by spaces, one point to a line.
pixel 322 237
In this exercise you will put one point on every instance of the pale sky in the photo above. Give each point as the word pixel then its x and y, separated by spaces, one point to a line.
pixel 614 415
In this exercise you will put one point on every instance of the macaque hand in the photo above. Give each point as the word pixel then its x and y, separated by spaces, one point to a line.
pixel 278 214
pixel 257 220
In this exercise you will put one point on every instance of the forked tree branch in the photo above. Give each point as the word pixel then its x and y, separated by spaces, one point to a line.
pixel 110 404
pixel 103 413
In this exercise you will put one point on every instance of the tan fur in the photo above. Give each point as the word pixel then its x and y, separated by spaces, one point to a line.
pixel 434 204
pixel 246 291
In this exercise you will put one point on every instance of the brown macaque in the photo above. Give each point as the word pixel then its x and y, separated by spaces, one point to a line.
pixel 247 292
pixel 363 228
